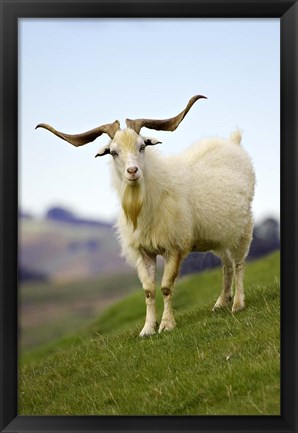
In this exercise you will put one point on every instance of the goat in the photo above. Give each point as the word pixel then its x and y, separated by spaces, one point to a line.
pixel 199 200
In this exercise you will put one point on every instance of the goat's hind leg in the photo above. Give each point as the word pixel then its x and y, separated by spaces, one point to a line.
pixel 239 255
pixel 227 281
pixel 238 303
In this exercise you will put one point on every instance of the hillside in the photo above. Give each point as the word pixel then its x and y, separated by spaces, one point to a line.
pixel 212 363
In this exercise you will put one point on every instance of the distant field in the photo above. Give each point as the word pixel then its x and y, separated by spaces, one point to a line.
pixel 65 252
pixel 211 364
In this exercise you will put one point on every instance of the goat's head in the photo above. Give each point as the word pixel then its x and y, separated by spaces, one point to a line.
pixel 128 151
pixel 126 146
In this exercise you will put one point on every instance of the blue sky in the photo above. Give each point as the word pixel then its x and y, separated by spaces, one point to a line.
pixel 79 74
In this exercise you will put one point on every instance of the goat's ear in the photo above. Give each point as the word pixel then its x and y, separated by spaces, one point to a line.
pixel 151 141
pixel 105 150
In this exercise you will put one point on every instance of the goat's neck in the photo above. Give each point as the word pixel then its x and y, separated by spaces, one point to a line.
pixel 154 189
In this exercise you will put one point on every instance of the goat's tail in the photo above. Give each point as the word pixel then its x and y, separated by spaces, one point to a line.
pixel 236 137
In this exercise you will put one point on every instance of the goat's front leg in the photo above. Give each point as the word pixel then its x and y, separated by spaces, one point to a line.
pixel 146 270
pixel 172 265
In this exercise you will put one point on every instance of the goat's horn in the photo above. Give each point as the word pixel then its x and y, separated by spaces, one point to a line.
pixel 86 137
pixel 162 125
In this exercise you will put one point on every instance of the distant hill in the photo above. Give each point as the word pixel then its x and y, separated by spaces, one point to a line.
pixel 63 215
pixel 65 247
pixel 28 275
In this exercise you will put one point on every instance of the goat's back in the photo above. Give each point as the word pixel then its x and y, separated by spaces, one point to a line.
pixel 218 177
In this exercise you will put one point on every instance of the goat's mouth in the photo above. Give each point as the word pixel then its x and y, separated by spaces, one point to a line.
pixel 133 179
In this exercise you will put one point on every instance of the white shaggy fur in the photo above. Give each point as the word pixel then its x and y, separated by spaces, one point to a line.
pixel 198 200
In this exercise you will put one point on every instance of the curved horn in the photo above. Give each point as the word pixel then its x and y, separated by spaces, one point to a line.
pixel 162 125
pixel 86 137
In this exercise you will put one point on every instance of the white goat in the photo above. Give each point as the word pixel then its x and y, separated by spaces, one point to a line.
pixel 199 200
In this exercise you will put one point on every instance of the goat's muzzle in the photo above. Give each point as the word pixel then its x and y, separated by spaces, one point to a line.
pixel 133 174
pixel 132 170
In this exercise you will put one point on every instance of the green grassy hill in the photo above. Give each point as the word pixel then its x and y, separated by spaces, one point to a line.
pixel 213 363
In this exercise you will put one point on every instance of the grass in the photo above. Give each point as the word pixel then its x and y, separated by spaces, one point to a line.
pixel 211 364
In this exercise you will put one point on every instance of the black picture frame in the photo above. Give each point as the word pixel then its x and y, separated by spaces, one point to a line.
pixel 11 11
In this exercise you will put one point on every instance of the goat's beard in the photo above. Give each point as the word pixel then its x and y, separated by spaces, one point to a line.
pixel 132 202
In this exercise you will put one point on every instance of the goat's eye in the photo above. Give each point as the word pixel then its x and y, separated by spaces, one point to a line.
pixel 142 148
pixel 113 153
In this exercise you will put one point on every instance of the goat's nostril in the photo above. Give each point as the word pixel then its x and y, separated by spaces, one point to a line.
pixel 132 170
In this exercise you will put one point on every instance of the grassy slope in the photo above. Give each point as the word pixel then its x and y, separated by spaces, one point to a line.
pixel 212 363
pixel 50 310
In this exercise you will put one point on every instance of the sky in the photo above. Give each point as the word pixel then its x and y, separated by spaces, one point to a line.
pixel 77 74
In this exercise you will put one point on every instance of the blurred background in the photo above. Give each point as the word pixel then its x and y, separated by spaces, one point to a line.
pixel 79 74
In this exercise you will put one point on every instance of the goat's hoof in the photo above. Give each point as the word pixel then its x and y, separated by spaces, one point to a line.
pixel 217 306
pixel 221 303
pixel 166 326
pixel 147 331
pixel 238 306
